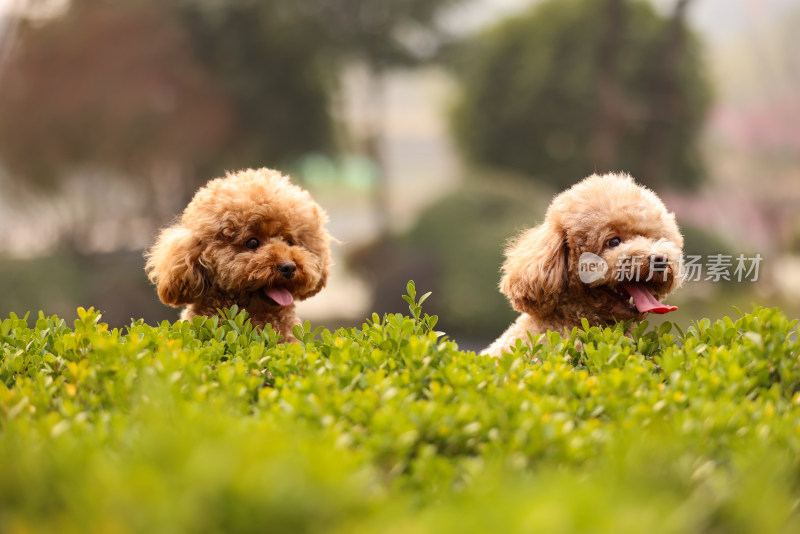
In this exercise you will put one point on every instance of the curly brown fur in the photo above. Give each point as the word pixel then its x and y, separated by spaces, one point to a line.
pixel 208 261
pixel 540 276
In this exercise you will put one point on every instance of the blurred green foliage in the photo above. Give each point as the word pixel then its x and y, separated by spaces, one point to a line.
pixel 268 60
pixel 113 283
pixel 697 241
pixel 209 425
pixel 794 241
pixel 456 249
pixel 378 34
pixel 55 283
pixel 193 86
pixel 109 85
pixel 538 95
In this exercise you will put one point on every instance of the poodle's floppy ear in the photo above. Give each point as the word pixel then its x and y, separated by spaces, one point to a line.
pixel 535 270
pixel 326 268
pixel 325 264
pixel 173 264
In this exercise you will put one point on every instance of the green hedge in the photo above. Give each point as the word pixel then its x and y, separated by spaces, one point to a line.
pixel 209 426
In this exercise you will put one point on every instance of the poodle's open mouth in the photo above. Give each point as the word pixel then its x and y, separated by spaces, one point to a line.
pixel 279 296
pixel 637 297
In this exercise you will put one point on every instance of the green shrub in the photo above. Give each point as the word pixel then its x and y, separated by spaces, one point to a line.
pixel 210 426
pixel 456 249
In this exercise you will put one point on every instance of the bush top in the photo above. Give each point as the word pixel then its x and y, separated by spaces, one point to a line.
pixel 210 422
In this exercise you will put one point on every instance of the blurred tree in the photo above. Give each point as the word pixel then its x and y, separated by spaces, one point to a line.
pixel 268 59
pixel 379 35
pixel 109 86
pixel 455 250
pixel 103 94
pixel 577 86
pixel 188 86
pixel 169 94
pixel 666 106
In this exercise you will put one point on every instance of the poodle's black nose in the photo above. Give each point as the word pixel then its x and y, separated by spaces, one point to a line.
pixel 287 269
pixel 658 259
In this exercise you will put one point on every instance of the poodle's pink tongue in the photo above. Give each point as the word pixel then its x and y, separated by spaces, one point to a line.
pixel 280 295
pixel 645 301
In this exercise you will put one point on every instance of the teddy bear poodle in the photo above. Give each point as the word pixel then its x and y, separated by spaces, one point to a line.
pixel 252 239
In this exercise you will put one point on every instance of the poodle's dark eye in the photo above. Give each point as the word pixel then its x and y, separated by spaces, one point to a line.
pixel 252 243
pixel 614 242
pixel 289 241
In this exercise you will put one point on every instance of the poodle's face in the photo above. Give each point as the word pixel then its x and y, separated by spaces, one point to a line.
pixel 608 250
pixel 639 243
pixel 252 237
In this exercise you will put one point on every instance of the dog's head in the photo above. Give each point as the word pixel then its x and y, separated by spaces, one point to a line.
pixel 250 235
pixel 607 250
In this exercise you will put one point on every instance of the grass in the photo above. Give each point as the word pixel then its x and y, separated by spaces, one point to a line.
pixel 211 426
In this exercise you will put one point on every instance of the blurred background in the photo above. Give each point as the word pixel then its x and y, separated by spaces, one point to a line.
pixel 431 131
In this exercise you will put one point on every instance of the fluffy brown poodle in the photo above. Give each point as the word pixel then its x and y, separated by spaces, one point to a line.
pixel 252 239
pixel 608 250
